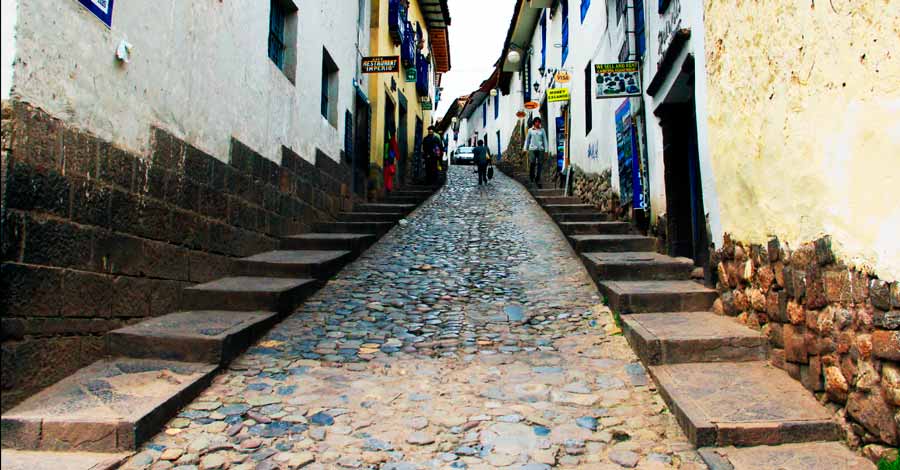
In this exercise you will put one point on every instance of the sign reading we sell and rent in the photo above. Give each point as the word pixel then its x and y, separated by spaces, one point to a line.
pixel 557 94
pixel 102 9
pixel 381 64
pixel 618 80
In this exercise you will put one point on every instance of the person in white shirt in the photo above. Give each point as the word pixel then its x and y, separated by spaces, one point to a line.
pixel 536 145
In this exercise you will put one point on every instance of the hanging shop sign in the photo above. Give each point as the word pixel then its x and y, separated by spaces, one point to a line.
pixel 520 114
pixel 555 95
pixel 411 75
pixel 618 80
pixel 562 77
pixel 381 64
pixel 102 9
pixel 532 105
pixel 427 104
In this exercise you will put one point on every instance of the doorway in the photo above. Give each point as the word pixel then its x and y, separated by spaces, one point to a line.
pixel 402 141
pixel 361 153
pixel 686 219
pixel 390 132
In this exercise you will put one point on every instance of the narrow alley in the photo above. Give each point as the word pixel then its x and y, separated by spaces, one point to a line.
pixel 469 337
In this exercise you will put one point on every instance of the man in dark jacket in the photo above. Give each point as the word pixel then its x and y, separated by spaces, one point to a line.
pixel 482 157
pixel 432 150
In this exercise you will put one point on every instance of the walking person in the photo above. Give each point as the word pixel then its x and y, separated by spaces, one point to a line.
pixel 536 144
pixel 432 150
pixel 482 158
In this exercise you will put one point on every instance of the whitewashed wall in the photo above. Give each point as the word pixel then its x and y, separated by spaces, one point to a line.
pixel 7 44
pixel 198 69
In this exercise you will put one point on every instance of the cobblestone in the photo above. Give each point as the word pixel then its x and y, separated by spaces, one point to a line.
pixel 469 337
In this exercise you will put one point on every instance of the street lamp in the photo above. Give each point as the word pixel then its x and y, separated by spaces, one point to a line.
pixel 493 92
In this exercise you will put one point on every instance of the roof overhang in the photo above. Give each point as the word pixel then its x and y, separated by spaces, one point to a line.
pixel 436 13
pixel 440 48
pixel 521 31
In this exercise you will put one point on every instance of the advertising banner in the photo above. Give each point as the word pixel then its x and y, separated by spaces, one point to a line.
pixel 557 94
pixel 618 80
pixel 380 64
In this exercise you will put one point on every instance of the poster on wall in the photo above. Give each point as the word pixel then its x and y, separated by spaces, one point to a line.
pixel 618 80
pixel 380 64
pixel 625 154
pixel 102 9
pixel 631 183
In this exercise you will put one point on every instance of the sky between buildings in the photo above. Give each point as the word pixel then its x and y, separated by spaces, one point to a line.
pixel 477 31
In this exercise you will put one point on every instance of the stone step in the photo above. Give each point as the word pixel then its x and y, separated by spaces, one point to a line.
pixel 249 294
pixel 369 217
pixel 393 199
pixel 546 192
pixel 384 208
pixel 31 460
pixel 677 337
pixel 570 209
pixel 636 266
pixel 354 242
pixel 112 405
pixel 742 404
pixel 595 228
pixel 803 456
pixel 211 336
pixel 612 243
pixel 318 264
pixel 557 200
pixel 586 217
pixel 419 193
pixel 376 228
pixel 657 296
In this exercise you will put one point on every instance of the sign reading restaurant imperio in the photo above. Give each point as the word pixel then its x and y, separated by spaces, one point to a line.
pixel 381 64
pixel 618 80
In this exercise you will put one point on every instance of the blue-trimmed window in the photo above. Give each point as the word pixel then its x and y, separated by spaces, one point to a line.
pixel 499 149
pixel 565 31
pixel 543 41
pixel 497 106
pixel 277 20
pixel 585 5
pixel 484 113
pixel 639 36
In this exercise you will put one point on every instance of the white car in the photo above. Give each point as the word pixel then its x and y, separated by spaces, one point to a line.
pixel 464 156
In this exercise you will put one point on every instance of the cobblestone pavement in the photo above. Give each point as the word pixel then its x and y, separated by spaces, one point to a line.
pixel 469 337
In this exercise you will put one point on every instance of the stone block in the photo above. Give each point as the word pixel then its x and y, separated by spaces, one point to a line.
pixel 79 154
pixel 13 233
pixel 837 286
pixel 29 291
pixel 886 320
pixel 118 167
pixel 90 202
pixel 875 414
pixel 775 332
pixel 880 294
pixel 776 358
pixel 30 190
pixel 815 289
pixel 886 344
pixel 890 381
pixel 836 385
pixel 795 349
pixel 52 242
pixel 774 250
pixel 37 138
pixel 795 313
pixel 824 253
pixel 811 375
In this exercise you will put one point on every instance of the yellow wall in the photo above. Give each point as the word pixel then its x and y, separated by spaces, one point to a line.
pixel 380 84
pixel 804 123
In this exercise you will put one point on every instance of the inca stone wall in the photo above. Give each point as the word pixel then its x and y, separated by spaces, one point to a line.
pixel 832 327
pixel 596 189
pixel 94 237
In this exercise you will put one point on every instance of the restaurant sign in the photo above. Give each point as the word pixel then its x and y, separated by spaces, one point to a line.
pixel 381 64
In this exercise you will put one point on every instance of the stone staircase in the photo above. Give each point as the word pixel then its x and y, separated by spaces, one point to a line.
pixel 712 371
pixel 157 366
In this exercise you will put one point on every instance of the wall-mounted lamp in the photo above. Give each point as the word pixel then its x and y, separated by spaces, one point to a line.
pixel 537 87
pixel 493 92
pixel 514 56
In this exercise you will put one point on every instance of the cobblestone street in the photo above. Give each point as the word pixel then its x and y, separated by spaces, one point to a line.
pixel 469 337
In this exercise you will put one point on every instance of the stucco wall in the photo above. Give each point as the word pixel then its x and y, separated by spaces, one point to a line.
pixel 804 124
pixel 199 69
pixel 7 45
